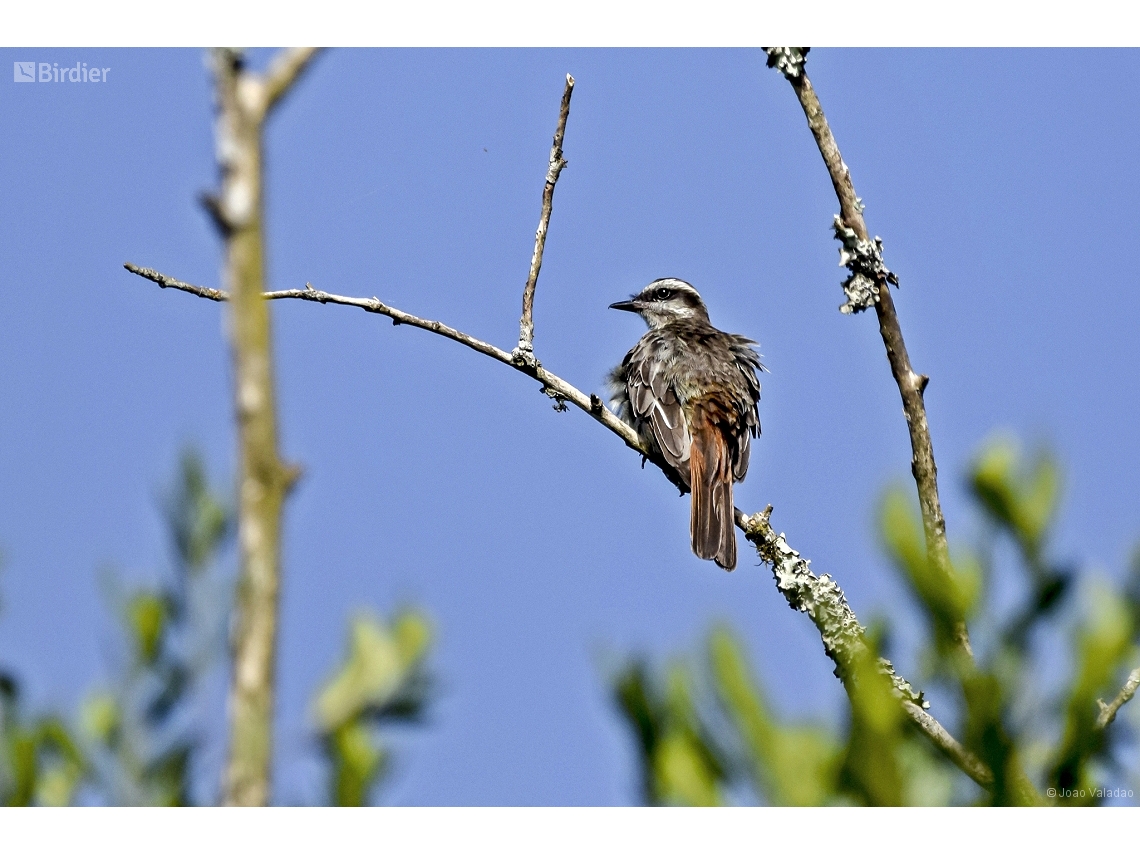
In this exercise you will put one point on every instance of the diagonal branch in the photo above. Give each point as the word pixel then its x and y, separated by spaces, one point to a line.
pixel 284 69
pixel 1108 711
pixel 525 350
pixel 950 747
pixel 820 598
pixel 869 280
pixel 553 386
pixel 844 638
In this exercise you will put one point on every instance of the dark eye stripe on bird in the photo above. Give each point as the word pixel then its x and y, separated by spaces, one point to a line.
pixel 691 392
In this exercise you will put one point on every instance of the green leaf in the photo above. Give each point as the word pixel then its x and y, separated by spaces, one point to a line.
pixel 1038 495
pixel 357 763
pixel 1021 498
pixel 200 520
pixel 41 762
pixel 147 615
pixel 791 765
pixel 947 600
pixel 100 717
pixel 379 663
pixel 871 770
pixel 680 766
pixel 61 764
pixel 683 774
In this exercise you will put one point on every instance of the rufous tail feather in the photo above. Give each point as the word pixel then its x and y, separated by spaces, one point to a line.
pixel 711 517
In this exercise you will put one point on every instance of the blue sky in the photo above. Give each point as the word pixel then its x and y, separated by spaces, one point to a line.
pixel 1002 183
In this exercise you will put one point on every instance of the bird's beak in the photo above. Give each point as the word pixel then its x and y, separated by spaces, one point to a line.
pixel 625 306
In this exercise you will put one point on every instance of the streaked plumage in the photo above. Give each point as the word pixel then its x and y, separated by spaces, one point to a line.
pixel 691 392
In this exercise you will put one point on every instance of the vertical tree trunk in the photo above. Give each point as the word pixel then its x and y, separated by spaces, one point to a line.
pixel 243 101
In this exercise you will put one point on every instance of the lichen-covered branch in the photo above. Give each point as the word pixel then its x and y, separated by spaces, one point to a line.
pixel 844 638
pixel 1127 692
pixel 525 350
pixel 867 286
pixel 243 100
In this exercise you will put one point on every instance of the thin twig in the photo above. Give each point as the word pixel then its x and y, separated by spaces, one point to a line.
pixel 911 384
pixel 819 597
pixel 165 281
pixel 1108 711
pixel 525 349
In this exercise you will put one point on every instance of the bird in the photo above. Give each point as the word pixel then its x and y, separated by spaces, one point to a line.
pixel 691 392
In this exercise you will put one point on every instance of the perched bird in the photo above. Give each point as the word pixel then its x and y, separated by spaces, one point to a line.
pixel 691 391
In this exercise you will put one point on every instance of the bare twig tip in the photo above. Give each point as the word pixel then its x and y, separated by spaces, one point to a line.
pixel 554 168
pixel 1128 691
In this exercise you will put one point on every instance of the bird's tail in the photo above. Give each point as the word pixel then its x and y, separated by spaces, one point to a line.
pixel 710 477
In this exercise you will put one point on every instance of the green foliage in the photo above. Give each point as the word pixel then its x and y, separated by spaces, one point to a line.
pixel 146 615
pixel 871 772
pixel 1003 718
pixel 1103 642
pixel 1022 499
pixel 706 734
pixel 788 764
pixel 382 679
pixel 1019 500
pixel 946 602
pixel 40 763
pixel 137 739
pixel 141 734
pixel 680 763
pixel 198 518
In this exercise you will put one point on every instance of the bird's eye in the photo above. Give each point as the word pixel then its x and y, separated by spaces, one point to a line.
pixel 665 294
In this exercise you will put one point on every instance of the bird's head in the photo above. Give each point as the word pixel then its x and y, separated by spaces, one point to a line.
pixel 664 301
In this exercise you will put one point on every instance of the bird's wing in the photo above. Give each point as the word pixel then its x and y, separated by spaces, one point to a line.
pixel 749 363
pixel 655 403
pixel 740 462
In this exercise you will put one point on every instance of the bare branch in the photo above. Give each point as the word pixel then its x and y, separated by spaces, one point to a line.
pixel 820 598
pixel 165 281
pixel 868 284
pixel 525 350
pixel 553 386
pixel 287 65
pixel 951 749
pixel 1108 711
